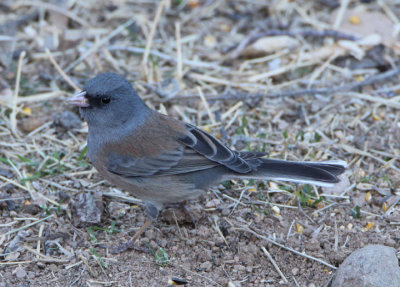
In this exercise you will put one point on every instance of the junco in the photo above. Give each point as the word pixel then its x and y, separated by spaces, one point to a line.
pixel 162 160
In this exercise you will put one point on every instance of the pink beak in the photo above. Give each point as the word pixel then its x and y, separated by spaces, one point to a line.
pixel 79 100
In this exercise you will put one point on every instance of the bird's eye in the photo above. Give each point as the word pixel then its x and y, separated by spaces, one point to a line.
pixel 105 100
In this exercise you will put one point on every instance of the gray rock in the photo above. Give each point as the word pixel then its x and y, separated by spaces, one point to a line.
pixel 371 266
pixel 206 266
pixel 20 273
pixel 68 120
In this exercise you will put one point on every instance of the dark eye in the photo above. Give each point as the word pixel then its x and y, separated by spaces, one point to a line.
pixel 105 100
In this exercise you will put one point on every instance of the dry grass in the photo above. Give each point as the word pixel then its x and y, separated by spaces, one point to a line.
pixel 198 62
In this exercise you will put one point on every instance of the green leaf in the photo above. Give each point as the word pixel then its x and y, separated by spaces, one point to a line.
pixel 91 234
pixel 161 258
pixel 83 153
pixel 94 252
pixel 28 161
pixel 317 137
pixel 6 161
pixel 227 184
pixel 244 122
pixel 285 134
pixel 356 212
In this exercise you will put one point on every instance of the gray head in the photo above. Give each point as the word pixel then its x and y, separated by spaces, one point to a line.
pixel 108 100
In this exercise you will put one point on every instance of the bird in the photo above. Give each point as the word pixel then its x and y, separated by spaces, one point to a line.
pixel 162 160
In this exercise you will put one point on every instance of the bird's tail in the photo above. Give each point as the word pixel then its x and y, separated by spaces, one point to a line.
pixel 323 173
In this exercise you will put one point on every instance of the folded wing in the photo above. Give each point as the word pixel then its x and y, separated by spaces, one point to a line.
pixel 194 150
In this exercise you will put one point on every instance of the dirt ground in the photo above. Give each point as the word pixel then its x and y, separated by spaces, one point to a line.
pixel 301 80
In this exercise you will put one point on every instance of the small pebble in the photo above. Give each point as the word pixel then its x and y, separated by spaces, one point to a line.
pixel 206 266
pixel 20 273
pixel 64 197
pixel 117 209
pixel 239 267
pixel 163 242
pixel 213 203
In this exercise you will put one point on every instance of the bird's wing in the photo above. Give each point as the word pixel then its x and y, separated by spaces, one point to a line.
pixel 212 149
pixel 174 148
pixel 155 149
pixel 130 165
pixel 178 161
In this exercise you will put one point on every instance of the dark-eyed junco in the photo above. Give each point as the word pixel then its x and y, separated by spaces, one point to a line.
pixel 162 160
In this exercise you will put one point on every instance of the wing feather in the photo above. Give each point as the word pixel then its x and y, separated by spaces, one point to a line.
pixel 131 166
pixel 214 150
pixel 193 150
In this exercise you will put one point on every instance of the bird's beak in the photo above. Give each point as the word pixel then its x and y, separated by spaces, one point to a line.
pixel 79 100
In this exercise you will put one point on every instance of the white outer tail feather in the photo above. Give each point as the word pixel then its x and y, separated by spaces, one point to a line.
pixel 291 179
pixel 337 162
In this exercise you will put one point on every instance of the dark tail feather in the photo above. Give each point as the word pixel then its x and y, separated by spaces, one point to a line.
pixel 318 173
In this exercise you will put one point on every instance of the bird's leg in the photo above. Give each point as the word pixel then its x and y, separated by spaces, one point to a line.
pixel 152 211
pixel 152 214
pixel 187 211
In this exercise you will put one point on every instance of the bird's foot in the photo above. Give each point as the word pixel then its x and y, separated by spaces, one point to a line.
pixel 152 211
pixel 189 214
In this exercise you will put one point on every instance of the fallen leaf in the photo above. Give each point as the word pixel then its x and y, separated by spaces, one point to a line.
pixel 276 210
pixel 27 111
pixel 267 45
pixel 354 20
pixel 299 228
pixel 210 41
pixel 369 225
pixel 368 197
pixel 32 123
pixel 353 48
pixel 324 52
